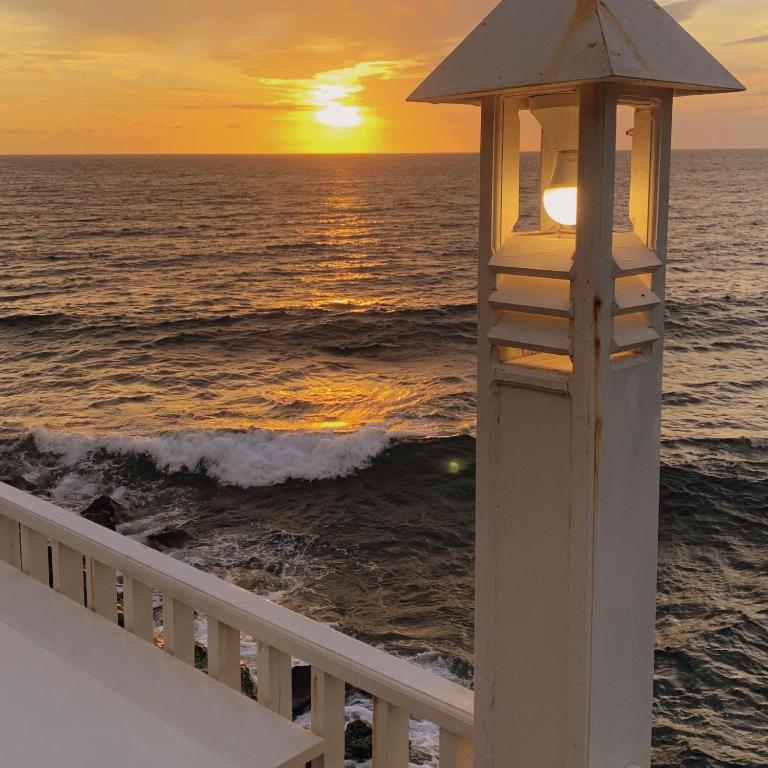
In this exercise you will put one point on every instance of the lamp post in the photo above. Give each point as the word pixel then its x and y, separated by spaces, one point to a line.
pixel 569 376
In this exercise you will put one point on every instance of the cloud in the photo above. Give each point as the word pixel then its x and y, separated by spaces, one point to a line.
pixel 34 131
pixel 750 40
pixel 145 19
pixel 266 107
pixel 256 30
pixel 269 107
pixel 47 61
pixel 683 10
pixel 335 85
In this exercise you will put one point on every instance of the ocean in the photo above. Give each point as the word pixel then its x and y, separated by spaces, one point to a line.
pixel 269 362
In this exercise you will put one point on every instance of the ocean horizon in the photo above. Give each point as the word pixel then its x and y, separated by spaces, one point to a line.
pixel 268 363
pixel 323 154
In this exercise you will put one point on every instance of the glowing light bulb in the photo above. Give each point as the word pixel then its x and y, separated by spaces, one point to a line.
pixel 560 204
pixel 560 127
pixel 561 194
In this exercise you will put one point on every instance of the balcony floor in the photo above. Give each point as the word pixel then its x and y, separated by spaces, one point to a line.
pixel 79 692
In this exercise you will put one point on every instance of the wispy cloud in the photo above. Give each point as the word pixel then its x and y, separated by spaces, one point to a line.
pixel 145 19
pixel 344 83
pixel 337 88
pixel 682 10
pixel 48 61
pixel 33 131
pixel 265 107
pixel 270 107
pixel 750 40
pixel 336 95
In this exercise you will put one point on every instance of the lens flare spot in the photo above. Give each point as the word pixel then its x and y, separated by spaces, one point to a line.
pixel 454 467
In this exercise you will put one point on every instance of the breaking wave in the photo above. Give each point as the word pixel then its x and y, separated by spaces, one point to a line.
pixel 246 459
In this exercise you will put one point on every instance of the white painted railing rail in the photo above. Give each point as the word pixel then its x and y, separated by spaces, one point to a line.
pixel 85 561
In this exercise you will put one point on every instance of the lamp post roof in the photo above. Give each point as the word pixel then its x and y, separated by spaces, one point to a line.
pixel 528 45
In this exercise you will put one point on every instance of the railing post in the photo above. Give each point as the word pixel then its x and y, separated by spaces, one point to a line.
pixel 179 629
pixel 224 653
pixel 10 542
pixel 390 735
pixel 101 583
pixel 68 573
pixel 328 718
pixel 274 680
pixel 34 554
pixel 97 556
pixel 455 751
pixel 137 608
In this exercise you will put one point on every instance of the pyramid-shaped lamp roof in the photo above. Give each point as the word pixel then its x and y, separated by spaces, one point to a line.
pixel 533 44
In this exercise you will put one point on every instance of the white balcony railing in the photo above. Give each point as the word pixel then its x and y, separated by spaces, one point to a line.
pixel 85 560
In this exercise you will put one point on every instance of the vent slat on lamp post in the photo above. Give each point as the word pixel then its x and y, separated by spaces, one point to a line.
pixel 569 372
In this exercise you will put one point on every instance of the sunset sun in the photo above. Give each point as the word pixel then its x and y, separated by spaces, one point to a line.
pixel 339 116
pixel 331 111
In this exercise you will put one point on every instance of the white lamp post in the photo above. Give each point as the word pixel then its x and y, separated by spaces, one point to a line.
pixel 569 380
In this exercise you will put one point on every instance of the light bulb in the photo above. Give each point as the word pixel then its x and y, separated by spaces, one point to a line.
pixel 560 126
pixel 560 204
pixel 561 194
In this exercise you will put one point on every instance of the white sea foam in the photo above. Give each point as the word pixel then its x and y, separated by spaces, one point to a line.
pixel 246 459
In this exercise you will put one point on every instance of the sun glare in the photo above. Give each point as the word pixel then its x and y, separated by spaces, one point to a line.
pixel 332 112
pixel 339 116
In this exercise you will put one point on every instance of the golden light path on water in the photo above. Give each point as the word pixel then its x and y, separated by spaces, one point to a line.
pixel 294 326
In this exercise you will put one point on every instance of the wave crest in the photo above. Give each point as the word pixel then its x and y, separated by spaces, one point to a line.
pixel 246 459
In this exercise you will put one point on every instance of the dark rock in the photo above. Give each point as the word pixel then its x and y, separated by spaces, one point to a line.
pixel 247 686
pixel 103 511
pixel 201 657
pixel 419 756
pixel 358 745
pixel 168 538
pixel 301 683
pixel 17 481
pixel 358 741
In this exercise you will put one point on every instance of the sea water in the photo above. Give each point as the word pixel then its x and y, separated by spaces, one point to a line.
pixel 277 355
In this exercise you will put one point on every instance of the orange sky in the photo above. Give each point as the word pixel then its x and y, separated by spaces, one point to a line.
pixel 253 76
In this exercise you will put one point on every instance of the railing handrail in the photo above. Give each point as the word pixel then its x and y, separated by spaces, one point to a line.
pixel 395 680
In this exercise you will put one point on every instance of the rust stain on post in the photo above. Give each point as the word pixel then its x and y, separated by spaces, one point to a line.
pixel 596 312
pixel 598 438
